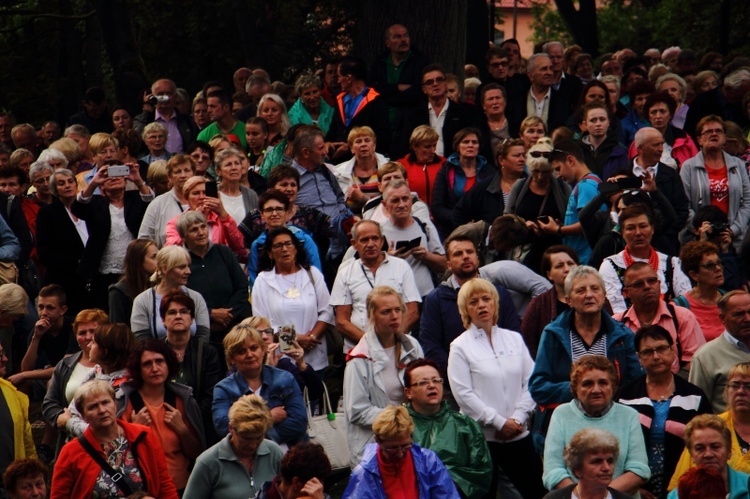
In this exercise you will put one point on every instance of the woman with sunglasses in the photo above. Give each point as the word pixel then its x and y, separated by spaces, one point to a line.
pixel 701 262
pixel 539 196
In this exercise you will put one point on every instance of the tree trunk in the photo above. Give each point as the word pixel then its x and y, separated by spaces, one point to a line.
pixel 128 72
pixel 581 22
pixel 437 28
pixel 477 39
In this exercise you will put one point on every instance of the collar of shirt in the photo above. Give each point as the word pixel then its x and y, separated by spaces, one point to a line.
pixel 454 282
pixel 546 96
pixel 158 116
pixel 444 109
pixel 734 341
pixel 639 171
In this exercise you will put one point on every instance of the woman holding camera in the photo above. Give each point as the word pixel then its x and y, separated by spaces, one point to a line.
pixel 113 218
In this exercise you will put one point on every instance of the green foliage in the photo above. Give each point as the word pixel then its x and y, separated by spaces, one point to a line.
pixel 642 24
pixel 549 25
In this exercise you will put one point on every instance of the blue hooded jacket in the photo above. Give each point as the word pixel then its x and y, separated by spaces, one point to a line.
pixel 432 476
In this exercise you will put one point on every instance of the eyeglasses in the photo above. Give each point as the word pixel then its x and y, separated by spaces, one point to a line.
pixel 736 385
pixel 181 311
pixel 649 352
pixel 285 244
pixel 278 209
pixel 268 331
pixel 643 283
pixel 499 64
pixel 541 154
pixel 396 450
pixel 711 266
pixel 425 382
pixel 433 81
pixel 717 131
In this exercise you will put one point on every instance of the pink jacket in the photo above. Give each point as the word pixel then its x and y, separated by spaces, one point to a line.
pixel 222 232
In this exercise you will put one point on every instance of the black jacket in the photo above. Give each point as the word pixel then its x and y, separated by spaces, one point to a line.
pixel 669 183
pixel 411 74
pixel 560 110
pixel 457 117
pixel 373 114
pixel 99 223
pixel 16 220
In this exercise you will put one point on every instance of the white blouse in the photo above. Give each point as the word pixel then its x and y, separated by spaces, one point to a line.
pixel 490 381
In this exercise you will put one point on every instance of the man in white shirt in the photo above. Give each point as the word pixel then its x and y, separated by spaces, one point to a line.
pixel 356 277
pixel 415 240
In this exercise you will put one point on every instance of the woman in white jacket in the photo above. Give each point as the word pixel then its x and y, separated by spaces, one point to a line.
pixel 488 370
pixel 374 375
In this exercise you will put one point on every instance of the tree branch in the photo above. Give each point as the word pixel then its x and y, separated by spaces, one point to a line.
pixel 36 14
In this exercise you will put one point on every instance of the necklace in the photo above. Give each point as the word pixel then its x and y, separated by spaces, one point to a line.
pixel 664 395
pixel 700 299
pixel 293 291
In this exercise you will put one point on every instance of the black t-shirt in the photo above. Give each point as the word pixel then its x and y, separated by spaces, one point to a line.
pixel 531 204
pixel 53 348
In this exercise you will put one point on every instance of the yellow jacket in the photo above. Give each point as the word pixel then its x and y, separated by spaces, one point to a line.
pixel 737 461
pixel 18 405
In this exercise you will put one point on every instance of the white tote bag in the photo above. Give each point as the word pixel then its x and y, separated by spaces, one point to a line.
pixel 329 431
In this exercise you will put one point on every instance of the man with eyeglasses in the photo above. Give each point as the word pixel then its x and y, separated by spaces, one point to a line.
pixel 456 438
pixel 710 367
pixel 396 467
pixel 650 146
pixel 443 115
pixel 181 129
pixel 641 286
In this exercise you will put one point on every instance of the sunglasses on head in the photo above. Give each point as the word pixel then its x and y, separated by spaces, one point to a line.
pixel 546 154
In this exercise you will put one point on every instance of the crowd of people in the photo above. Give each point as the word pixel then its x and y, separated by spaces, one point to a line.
pixel 531 282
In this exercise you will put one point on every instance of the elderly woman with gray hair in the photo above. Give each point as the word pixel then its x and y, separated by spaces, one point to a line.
pixel 540 195
pixel 591 455
pixel 215 274
pixel 310 108
pixel 237 199
pixel 585 329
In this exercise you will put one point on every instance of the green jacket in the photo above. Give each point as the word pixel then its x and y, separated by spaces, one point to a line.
pixel 459 443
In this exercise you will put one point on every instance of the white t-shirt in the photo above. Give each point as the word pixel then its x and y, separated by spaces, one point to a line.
pixel 422 273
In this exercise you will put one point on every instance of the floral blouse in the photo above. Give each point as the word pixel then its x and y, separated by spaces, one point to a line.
pixel 121 458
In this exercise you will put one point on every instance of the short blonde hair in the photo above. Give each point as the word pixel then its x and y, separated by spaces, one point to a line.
pixel 423 134
pixel 360 131
pixel 473 287
pixel 168 258
pixel 157 172
pixel 250 416
pixel 69 148
pixel 92 388
pixel 13 299
pixel 390 167
pixel 393 423
pixel 192 183
pixel 377 293
pixel 99 141
pixel 237 338
pixel 704 422
pixel 255 321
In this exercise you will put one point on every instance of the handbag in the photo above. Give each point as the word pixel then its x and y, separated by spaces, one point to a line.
pixel 329 431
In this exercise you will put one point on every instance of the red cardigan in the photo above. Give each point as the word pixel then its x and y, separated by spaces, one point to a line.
pixel 76 471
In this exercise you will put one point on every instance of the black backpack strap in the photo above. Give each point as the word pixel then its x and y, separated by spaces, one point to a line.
pixel 117 477
pixel 621 276
pixel 677 343
pixel 422 226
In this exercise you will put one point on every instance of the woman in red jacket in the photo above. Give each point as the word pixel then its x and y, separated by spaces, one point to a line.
pixel 112 458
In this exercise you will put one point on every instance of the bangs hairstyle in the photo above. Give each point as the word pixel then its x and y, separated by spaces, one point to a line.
pixel 704 422
pixel 156 346
pixel 168 258
pixel 236 338
pixel 176 297
pixel 90 315
pixel 592 363
pixel 179 160
pixel 474 287
pixel 93 388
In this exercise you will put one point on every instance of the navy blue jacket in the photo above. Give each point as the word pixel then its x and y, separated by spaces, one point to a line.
pixel 441 322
